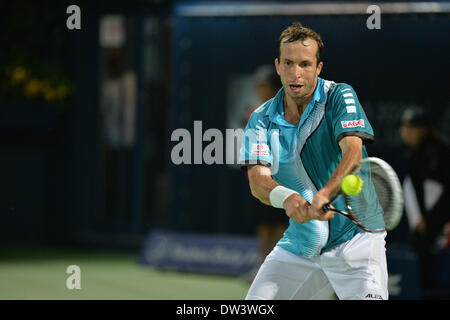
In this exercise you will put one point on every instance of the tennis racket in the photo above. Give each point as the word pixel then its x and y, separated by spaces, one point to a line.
pixel 379 205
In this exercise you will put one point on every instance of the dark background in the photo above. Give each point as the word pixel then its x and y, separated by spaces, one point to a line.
pixel 58 184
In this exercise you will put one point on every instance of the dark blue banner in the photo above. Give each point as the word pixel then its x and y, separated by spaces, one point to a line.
pixel 228 255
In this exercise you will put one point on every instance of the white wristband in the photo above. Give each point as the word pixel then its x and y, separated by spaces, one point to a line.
pixel 278 195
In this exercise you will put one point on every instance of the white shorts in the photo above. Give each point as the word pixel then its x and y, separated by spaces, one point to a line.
pixel 355 269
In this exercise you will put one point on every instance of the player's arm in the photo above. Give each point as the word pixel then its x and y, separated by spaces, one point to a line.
pixel 261 183
pixel 351 148
pixel 269 192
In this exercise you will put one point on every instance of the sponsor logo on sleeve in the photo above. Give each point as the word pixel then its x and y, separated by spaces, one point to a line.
pixel 260 149
pixel 353 123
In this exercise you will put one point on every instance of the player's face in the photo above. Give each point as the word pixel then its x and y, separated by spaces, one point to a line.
pixel 298 68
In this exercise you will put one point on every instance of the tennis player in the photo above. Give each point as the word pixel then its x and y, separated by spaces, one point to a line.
pixel 297 147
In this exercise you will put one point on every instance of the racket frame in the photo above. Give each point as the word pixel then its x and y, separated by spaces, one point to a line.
pixel 393 182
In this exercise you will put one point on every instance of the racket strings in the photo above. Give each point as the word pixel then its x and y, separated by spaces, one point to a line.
pixel 374 206
pixel 385 194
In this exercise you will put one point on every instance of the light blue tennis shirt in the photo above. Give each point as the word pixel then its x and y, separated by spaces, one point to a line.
pixel 303 157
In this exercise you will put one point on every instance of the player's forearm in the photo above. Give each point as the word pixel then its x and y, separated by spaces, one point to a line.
pixel 351 154
pixel 261 183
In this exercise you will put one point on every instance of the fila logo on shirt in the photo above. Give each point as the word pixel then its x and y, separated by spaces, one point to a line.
pixel 353 124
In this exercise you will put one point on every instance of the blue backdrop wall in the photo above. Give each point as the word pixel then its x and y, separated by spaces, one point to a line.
pixel 401 64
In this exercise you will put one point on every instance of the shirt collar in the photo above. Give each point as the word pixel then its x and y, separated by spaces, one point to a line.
pixel 275 111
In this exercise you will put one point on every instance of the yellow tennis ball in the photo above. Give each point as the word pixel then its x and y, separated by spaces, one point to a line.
pixel 352 185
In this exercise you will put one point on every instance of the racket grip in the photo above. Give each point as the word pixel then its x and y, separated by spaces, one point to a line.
pixel 325 208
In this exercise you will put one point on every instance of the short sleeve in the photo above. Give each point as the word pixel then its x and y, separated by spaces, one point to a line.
pixel 348 116
pixel 255 148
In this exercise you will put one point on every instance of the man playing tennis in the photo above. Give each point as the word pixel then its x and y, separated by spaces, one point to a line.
pixel 297 147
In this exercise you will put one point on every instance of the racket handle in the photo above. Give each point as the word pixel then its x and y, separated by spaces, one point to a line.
pixel 326 207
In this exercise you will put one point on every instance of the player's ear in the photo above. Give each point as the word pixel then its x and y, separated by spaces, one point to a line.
pixel 277 65
pixel 319 67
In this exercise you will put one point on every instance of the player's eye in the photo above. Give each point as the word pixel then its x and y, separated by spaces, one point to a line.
pixel 288 62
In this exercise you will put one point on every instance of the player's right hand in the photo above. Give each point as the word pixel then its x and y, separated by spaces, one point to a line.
pixel 297 208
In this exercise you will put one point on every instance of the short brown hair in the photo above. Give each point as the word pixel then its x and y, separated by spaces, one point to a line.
pixel 297 32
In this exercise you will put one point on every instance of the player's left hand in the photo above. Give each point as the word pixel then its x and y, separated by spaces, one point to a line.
pixel 315 210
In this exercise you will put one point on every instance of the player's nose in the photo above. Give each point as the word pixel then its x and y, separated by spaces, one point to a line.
pixel 297 72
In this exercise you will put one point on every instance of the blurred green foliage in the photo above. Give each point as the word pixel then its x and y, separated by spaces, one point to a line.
pixel 33 58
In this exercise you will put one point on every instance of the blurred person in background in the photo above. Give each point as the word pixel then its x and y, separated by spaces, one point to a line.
pixel 271 222
pixel 118 110
pixel 426 188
